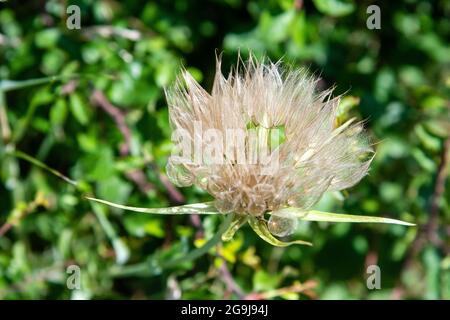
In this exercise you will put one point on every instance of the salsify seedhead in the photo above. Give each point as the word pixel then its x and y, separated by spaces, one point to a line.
pixel 264 142
pixel 259 102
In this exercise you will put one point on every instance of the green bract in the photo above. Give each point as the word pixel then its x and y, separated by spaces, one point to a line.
pixel 259 225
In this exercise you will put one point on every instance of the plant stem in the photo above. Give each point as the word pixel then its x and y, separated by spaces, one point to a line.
pixel 9 85
pixel 5 129
pixel 146 267
pixel 204 249
pixel 106 225
pixel 36 162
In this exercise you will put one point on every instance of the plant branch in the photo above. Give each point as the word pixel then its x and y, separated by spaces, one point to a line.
pixel 439 188
pixel 229 281
pixel 148 267
pixel 429 232
pixel 4 124
pixel 21 211
pixel 136 176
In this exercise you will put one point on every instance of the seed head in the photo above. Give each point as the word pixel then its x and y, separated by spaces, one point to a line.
pixel 276 140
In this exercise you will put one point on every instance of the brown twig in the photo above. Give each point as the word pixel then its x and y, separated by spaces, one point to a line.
pixel 429 232
pixel 21 212
pixel 69 87
pixel 140 180
pixel 371 258
pixel 229 281
pixel 117 115
pixel 298 5
pixel 439 188
pixel 5 228
pixel 137 176
pixel 197 223
pixel 175 196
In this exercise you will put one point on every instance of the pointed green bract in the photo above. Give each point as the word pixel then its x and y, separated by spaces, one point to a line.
pixel 258 225
pixel 196 208
pixel 237 222
pixel 261 229
pixel 315 215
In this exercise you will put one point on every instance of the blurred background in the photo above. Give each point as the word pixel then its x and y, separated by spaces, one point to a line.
pixel 103 122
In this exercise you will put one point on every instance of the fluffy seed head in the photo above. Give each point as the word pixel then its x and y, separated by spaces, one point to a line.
pixel 273 109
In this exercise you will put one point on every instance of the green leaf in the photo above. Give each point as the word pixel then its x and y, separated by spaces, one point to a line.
pixel 429 141
pixel 261 229
pixel 346 104
pixel 431 261
pixel 424 160
pixel 334 8
pixel 79 109
pixel 196 208
pixel 315 215
pixel 264 281
pixel 58 113
pixel 236 223
pixel 47 38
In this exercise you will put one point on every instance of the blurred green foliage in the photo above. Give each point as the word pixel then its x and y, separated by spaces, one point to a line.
pixel 398 79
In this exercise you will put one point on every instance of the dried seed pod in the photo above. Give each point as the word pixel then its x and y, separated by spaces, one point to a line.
pixel 179 174
pixel 282 225
pixel 276 115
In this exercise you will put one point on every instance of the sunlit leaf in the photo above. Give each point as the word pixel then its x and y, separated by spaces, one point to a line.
pixel 334 8
pixel 79 108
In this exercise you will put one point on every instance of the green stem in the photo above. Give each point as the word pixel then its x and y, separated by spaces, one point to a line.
pixel 9 85
pixel 106 225
pixel 203 249
pixel 36 162
pixel 109 230
pixel 146 267
pixel 4 125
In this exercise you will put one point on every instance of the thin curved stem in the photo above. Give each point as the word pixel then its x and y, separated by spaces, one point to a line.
pixel 146 267
pixel 36 162
pixel 194 254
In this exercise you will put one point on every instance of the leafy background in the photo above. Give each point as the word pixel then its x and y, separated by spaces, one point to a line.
pixel 108 129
